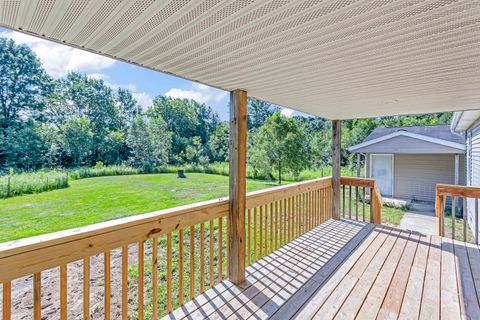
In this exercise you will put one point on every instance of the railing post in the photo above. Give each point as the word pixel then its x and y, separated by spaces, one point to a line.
pixel 237 186
pixel 336 167
pixel 439 211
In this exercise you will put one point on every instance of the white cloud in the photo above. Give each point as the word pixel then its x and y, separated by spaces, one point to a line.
pixel 59 59
pixel 143 99
pixel 287 112
pixel 198 92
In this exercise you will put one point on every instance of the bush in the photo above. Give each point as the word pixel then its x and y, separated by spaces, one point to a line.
pixel 26 183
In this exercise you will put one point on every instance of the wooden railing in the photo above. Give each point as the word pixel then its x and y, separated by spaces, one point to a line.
pixel 452 201
pixel 361 200
pixel 160 259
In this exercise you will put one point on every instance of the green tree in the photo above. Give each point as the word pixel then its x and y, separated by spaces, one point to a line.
pixel 218 143
pixel 24 84
pixel 149 141
pixel 22 147
pixel 128 107
pixel 280 145
pixel 181 120
pixel 78 140
pixel 258 112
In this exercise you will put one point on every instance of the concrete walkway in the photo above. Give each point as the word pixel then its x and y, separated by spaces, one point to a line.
pixel 423 222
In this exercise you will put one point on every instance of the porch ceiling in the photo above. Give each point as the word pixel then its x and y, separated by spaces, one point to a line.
pixel 336 59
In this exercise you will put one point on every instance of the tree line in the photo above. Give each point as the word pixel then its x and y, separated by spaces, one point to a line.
pixel 79 121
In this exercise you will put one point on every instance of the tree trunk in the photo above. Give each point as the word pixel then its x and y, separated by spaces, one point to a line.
pixel 279 172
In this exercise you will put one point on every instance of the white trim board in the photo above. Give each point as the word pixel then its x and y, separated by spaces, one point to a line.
pixel 403 133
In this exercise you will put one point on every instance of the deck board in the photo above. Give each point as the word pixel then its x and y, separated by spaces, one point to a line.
pixel 351 270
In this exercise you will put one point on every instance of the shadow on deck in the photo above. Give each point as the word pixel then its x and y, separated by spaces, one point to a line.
pixel 347 269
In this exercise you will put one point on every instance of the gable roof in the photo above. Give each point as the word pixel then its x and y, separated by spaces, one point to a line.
pixel 436 134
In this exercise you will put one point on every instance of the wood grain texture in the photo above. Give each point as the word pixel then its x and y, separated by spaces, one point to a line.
pixel 237 185
pixel 7 300
pixel 336 166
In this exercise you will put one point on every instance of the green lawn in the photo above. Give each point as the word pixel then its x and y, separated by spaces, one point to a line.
pixel 94 200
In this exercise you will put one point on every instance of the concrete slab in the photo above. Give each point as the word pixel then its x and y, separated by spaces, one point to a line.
pixel 423 222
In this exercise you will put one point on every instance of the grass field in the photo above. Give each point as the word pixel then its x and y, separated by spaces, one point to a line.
pixel 94 200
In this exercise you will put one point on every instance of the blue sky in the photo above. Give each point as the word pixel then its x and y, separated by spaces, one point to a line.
pixel 145 84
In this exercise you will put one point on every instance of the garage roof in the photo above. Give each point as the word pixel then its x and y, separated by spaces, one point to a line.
pixel 336 59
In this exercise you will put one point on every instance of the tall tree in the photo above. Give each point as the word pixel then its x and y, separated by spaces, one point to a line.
pixel 78 140
pixel 258 112
pixel 149 141
pixel 280 145
pixel 218 143
pixel 24 84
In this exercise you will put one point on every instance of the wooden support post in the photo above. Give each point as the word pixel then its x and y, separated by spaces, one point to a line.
pixel 336 167
pixel 237 190
pixel 457 168
pixel 358 164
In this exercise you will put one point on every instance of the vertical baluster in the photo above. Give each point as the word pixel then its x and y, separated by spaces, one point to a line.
pixel 349 202
pixel 212 239
pixel 290 224
pixel 255 234
pixel 371 205
pixel 107 285
pixel 155 277
pixel 363 204
pixel 276 225
pixel 476 221
pixel 7 300
pixel 297 216
pixel 249 237
pixel 267 222
pixel 63 292
pixel 464 216
pixel 444 205
pixel 356 203
pixel 181 293
pixel 141 278
pixel 125 282
pixel 285 221
pixel 227 241
pixel 261 231
pixel 309 211
pixel 220 249
pixel 37 296
pixel 272 229
pixel 169 272
pixel 202 257
pixel 192 262
pixel 86 288
pixel 343 201
pixel 281 223
pixel 454 203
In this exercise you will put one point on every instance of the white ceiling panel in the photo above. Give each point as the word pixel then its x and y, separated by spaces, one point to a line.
pixel 338 59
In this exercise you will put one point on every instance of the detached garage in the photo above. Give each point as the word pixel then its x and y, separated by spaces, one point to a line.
pixel 408 162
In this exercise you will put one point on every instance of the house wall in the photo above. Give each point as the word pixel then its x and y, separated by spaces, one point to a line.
pixel 473 170
pixel 407 145
pixel 416 175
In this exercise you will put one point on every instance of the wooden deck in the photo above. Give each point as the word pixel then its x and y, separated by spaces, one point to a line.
pixel 347 270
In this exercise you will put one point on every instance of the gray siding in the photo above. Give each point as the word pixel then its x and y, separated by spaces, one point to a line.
pixel 416 175
pixel 407 145
pixel 473 170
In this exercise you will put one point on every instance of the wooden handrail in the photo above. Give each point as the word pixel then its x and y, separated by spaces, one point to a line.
pixel 39 253
pixel 376 202
pixel 458 191
pixel 443 191
pixel 276 216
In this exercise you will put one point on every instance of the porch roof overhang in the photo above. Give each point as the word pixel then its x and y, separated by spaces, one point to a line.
pixel 335 59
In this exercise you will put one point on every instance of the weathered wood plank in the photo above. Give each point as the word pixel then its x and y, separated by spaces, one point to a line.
pixel 430 307
pixel 237 185
pixel 469 304
pixel 449 298
pixel 413 295
pixel 336 166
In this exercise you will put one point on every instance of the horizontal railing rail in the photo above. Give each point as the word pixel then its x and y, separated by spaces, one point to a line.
pixel 360 198
pixel 454 202
pixel 187 245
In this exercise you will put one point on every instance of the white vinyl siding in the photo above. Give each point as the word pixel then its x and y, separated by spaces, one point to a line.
pixel 408 145
pixel 473 169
